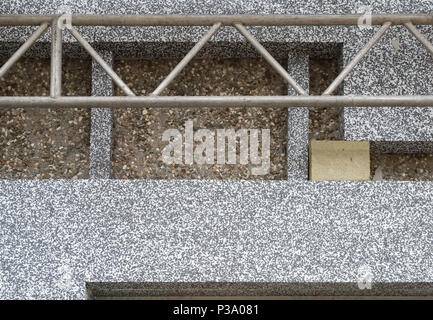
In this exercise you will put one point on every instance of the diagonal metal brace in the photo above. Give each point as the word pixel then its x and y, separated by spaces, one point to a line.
pixel 361 54
pixel 270 59
pixel 26 45
pixel 122 85
pixel 186 59
pixel 419 36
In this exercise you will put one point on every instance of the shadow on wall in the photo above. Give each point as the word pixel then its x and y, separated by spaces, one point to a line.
pixel 252 290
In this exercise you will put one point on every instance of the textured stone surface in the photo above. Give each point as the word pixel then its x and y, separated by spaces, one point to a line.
pixel 45 143
pixel 138 145
pixel 339 160
pixel 58 234
pixel 246 290
pixel 324 123
pixel 401 167
pixel 387 71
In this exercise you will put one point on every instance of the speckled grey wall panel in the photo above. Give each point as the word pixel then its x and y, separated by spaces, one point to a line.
pixel 101 131
pixel 56 235
pixel 297 120
pixel 387 71
pixel 230 7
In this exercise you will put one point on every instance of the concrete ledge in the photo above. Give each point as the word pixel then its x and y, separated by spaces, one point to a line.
pixel 56 235
pixel 251 290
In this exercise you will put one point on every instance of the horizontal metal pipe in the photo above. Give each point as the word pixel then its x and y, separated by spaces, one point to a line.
pixel 26 45
pixel 270 59
pixel 361 54
pixel 216 101
pixel 173 74
pixel 208 20
pixel 24 19
pixel 122 85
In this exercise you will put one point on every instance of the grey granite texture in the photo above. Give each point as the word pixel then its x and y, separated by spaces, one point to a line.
pixel 297 121
pixel 56 235
pixel 387 71
pixel 101 134
pixel 229 7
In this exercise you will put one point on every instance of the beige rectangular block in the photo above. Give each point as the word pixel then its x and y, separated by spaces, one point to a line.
pixel 339 160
